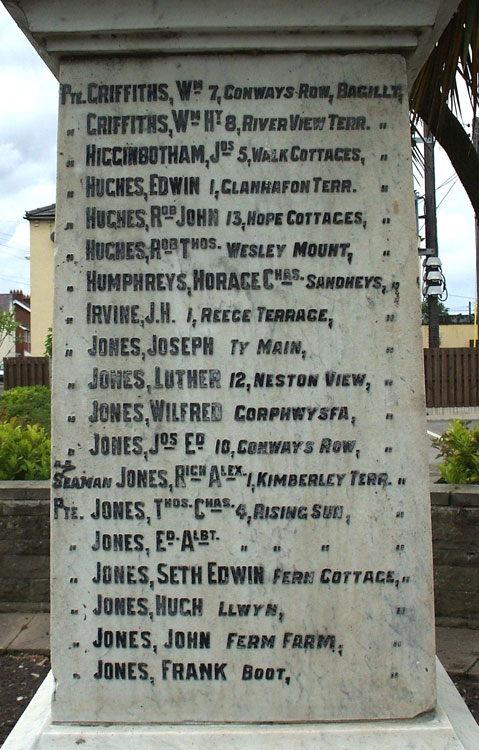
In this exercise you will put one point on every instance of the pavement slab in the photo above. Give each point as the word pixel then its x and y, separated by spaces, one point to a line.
pixel 474 670
pixel 458 649
pixel 11 625
pixel 34 637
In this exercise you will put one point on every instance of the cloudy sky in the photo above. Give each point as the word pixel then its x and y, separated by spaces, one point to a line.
pixel 28 116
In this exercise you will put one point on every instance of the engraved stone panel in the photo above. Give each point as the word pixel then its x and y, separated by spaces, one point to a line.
pixel 240 507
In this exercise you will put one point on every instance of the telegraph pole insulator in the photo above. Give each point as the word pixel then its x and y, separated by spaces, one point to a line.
pixel 431 232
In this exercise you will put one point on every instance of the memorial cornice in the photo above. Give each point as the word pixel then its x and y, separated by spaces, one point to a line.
pixel 67 28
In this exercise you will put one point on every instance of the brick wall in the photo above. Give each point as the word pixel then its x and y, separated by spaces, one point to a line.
pixel 24 546
pixel 25 533
pixel 455 536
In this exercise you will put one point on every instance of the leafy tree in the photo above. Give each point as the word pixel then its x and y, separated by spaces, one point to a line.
pixel 434 96
pixel 48 344
pixel 8 326
pixel 441 308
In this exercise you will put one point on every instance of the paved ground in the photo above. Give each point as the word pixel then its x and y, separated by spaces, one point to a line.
pixel 27 632
pixel 457 648
pixel 25 637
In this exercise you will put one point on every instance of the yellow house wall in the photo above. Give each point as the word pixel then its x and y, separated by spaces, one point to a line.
pixel 41 283
pixel 451 336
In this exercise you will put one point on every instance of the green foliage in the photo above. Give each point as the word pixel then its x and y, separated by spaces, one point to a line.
pixel 459 448
pixel 441 308
pixel 30 405
pixel 48 344
pixel 454 58
pixel 24 451
pixel 8 326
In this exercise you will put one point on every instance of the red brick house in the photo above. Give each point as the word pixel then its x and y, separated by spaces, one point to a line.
pixel 18 345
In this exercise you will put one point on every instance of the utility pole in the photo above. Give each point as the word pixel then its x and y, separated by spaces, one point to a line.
pixel 475 141
pixel 431 229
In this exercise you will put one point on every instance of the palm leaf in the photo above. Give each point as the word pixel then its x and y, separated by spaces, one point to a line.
pixel 434 96
pixel 456 53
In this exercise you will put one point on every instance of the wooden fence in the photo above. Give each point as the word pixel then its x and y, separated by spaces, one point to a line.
pixel 26 371
pixel 452 376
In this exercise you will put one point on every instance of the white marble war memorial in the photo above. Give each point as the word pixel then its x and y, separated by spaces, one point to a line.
pixel 241 545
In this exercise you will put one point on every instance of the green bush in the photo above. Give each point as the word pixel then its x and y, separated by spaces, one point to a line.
pixel 29 405
pixel 49 343
pixel 24 451
pixel 459 448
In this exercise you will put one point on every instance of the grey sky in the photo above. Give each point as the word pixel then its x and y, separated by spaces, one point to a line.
pixel 28 118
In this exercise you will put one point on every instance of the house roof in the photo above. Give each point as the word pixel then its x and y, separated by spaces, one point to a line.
pixel 5 301
pixel 45 212
pixel 21 304
pixel 8 299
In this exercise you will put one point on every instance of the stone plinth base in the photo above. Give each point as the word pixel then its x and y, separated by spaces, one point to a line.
pixel 451 727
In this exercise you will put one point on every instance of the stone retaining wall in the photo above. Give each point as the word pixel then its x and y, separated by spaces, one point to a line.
pixel 25 562
pixel 24 546
pixel 455 539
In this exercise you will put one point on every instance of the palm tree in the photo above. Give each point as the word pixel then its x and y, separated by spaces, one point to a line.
pixel 435 99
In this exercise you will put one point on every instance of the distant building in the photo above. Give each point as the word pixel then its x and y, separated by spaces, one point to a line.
pixel 42 229
pixel 454 331
pixel 18 344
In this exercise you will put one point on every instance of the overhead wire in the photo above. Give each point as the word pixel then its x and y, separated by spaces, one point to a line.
pixel 445 196
pixel 14 255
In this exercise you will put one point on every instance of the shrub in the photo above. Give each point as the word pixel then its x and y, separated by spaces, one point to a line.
pixel 29 405
pixel 49 343
pixel 459 448
pixel 24 451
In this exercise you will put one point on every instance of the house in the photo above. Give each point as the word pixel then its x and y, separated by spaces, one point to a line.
pixel 42 228
pixel 454 331
pixel 16 344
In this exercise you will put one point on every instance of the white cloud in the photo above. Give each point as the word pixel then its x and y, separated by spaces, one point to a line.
pixel 456 237
pixel 28 122
pixel 9 158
